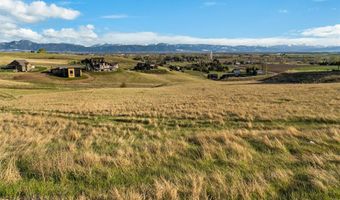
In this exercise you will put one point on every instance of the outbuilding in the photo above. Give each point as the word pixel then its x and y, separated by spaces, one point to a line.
pixel 67 72
pixel 213 77
pixel 237 72
pixel 20 66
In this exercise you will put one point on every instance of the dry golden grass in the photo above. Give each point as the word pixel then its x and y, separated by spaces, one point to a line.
pixel 200 140
pixel 51 59
pixel 10 83
pixel 203 100
pixel 8 59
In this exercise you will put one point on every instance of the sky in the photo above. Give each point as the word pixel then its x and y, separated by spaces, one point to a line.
pixel 217 22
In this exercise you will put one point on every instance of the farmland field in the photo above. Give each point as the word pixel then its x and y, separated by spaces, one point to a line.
pixel 131 135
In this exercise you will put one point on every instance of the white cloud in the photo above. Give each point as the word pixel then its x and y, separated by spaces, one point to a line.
pixel 16 12
pixel 64 3
pixel 209 3
pixel 326 31
pixel 212 4
pixel 35 11
pixel 10 31
pixel 152 38
pixel 322 36
pixel 83 35
pixel 283 11
pixel 119 16
pixel 87 36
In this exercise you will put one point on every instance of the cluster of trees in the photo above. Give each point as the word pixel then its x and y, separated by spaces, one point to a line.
pixel 176 68
pixel 329 63
pixel 183 58
pixel 252 71
pixel 242 62
pixel 41 50
pixel 206 67
pixel 165 59
pixel 156 59
pixel 145 67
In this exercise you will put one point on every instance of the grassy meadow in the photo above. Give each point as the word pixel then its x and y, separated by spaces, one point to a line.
pixel 130 135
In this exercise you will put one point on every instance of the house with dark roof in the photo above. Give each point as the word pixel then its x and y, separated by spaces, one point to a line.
pixel 20 66
pixel 67 72
pixel 99 65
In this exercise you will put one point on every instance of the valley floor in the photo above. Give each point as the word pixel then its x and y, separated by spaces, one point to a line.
pixel 194 140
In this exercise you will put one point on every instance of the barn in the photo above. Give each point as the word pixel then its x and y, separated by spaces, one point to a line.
pixel 20 66
pixel 67 72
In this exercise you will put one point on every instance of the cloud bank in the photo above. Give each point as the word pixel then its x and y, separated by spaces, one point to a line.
pixel 326 31
pixel 152 38
pixel 83 35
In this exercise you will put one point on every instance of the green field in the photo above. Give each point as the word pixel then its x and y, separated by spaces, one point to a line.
pixel 172 135
pixel 315 68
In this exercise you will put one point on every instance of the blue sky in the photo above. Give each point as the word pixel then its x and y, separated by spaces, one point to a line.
pixel 234 22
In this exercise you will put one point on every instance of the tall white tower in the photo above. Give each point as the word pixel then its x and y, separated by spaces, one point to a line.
pixel 211 56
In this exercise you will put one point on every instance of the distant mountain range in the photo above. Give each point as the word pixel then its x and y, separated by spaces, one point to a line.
pixel 25 45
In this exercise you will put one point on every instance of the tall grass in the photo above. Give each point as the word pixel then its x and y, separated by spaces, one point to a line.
pixel 190 141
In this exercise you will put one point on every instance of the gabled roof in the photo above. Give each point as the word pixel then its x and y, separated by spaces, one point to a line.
pixel 68 67
pixel 21 62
